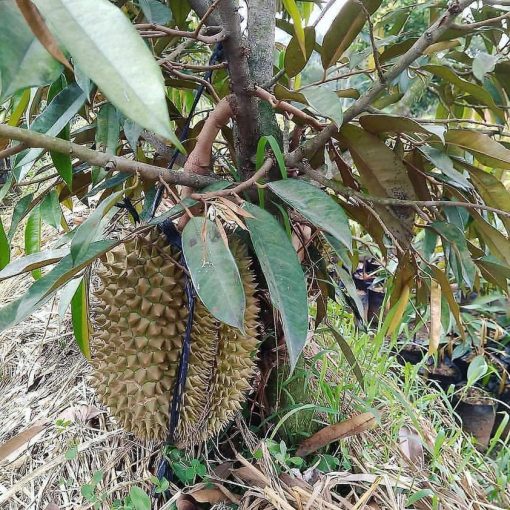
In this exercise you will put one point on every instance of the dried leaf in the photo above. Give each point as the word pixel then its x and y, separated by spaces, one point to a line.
pixel 435 317
pixel 40 30
pixel 81 413
pixel 19 440
pixel 411 445
pixel 352 426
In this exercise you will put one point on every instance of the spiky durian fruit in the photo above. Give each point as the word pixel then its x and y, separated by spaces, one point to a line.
pixel 141 317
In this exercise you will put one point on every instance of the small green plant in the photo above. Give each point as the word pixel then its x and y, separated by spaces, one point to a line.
pixel 187 470
pixel 280 454
pixel 90 493
pixel 137 499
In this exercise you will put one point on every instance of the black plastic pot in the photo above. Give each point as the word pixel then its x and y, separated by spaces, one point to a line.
pixel 375 302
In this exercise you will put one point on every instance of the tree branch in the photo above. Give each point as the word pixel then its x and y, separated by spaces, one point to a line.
pixel 469 27
pixel 431 35
pixel 152 30
pixel 104 160
pixel 342 190
pixel 245 107
pixel 201 7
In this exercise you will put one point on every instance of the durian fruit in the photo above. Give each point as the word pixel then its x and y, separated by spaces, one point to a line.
pixel 141 316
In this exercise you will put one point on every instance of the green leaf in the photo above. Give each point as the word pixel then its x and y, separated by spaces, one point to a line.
pixel 80 318
pixel 483 147
pixel 315 205
pixel 66 295
pixel 292 8
pixel 44 288
pixel 139 499
pixel 51 122
pixel 132 131
pixel 105 45
pixel 214 271
pixel 443 162
pixel 261 147
pixel 483 63
pixel 155 12
pixel 89 230
pixel 32 262
pixel 83 81
pixel 465 86
pixel 5 250
pixel 284 276
pixel 18 213
pixel 476 370
pixel 325 102
pixel 51 213
pixel 107 136
pixel 349 355
pixel 344 29
pixel 33 236
pixel 24 62
pixel 295 61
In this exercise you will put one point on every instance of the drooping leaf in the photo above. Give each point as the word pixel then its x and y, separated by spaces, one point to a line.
pixel 88 231
pixel 51 213
pixel 325 102
pixel 344 29
pixel 5 250
pixel 83 81
pixel 24 62
pixel 443 162
pixel 295 61
pixel 32 262
pixel 292 8
pixel 382 123
pixel 107 56
pixel 155 11
pixel 132 131
pixel 33 236
pixel 66 295
pixel 44 288
pixel 483 63
pixel 498 244
pixel 214 271
pixel 284 276
pixel 278 154
pixel 484 148
pixel 473 89
pixel 80 318
pixel 315 205
pixel 19 211
pixel 51 121
pixel 107 136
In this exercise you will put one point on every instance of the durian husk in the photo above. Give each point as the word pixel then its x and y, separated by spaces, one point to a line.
pixel 140 316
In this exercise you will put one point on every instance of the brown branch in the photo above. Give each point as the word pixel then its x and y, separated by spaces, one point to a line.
pixel 152 30
pixel 192 67
pixel 469 27
pixel 201 7
pixel 287 108
pixel 206 15
pixel 104 160
pixel 243 186
pixel 393 202
pixel 431 35
pixel 12 150
pixel 245 107
pixel 323 12
pixel 191 77
pixel 375 51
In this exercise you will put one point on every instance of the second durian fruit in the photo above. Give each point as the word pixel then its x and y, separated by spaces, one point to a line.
pixel 141 315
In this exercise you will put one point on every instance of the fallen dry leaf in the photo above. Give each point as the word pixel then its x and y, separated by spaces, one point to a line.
pixel 352 426
pixel 81 413
pixel 411 446
pixel 435 317
pixel 19 440
pixel 51 506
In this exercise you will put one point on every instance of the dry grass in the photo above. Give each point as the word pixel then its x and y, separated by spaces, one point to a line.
pixel 43 383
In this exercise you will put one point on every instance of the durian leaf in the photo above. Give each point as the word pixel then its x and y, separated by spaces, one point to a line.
pixel 315 205
pixel 80 318
pixel 51 122
pixel 107 136
pixel 155 12
pixel 284 276
pixel 25 62
pixel 66 295
pixel 51 213
pixel 33 237
pixel 32 262
pixel 89 230
pixel 214 271
pixel 5 250
pixel 106 56
pixel 18 213
pixel 292 8
pixel 44 288
pixel 325 102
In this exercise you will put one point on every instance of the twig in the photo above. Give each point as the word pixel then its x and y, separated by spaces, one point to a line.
pixel 12 150
pixel 192 67
pixel 191 77
pixel 469 27
pixel 335 78
pixel 205 16
pixel 375 51
pixel 431 35
pixel 393 202
pixel 103 159
pixel 252 181
pixel 323 12
pixel 274 79
pixel 287 107
pixel 153 30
